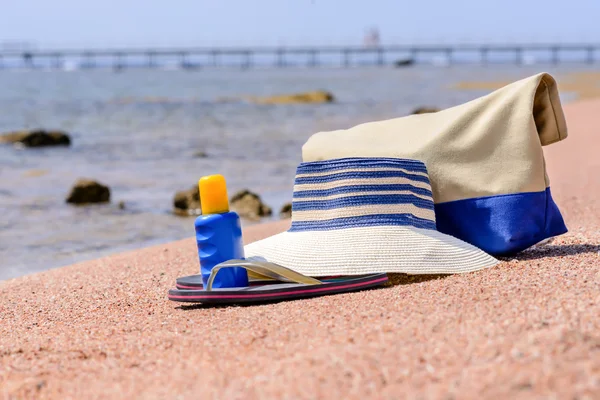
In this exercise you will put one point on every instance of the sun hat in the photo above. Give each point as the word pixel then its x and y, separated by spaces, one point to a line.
pixel 485 162
pixel 356 216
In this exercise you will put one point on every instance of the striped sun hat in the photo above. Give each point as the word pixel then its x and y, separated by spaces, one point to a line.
pixel 355 216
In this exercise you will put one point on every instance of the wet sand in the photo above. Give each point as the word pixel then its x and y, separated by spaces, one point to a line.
pixel 528 328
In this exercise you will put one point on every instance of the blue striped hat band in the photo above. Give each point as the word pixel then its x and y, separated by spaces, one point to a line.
pixel 358 192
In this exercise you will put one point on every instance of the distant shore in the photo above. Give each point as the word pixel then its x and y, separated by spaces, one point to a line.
pixel 528 327
pixel 583 85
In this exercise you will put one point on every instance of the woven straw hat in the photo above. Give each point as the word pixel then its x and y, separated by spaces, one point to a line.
pixel 355 216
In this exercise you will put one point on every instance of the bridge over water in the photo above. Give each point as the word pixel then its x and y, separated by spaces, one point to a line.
pixel 345 56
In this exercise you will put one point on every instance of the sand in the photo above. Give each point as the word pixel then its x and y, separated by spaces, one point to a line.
pixel 529 328
pixel 583 85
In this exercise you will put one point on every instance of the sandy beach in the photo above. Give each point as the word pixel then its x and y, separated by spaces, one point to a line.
pixel 528 328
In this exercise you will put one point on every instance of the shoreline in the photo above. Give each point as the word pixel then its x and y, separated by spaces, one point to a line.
pixel 525 328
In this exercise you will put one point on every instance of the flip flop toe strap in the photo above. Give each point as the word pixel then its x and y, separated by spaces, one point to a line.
pixel 259 268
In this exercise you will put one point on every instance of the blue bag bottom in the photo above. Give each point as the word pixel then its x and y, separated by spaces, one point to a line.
pixel 504 224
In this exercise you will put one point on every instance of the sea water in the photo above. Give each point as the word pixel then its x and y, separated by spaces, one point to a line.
pixel 139 131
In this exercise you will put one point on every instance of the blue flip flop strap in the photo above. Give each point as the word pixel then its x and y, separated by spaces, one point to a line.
pixel 263 269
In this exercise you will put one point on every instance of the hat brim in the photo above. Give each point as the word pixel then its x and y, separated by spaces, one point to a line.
pixel 372 249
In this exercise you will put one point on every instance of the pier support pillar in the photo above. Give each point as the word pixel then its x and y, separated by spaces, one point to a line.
pixel 183 61
pixel 590 55
pixel 449 55
pixel 247 63
pixel 346 58
pixel 312 61
pixel 28 60
pixel 57 61
pixel 485 52
pixel 519 55
pixel 555 58
pixel 414 53
pixel 280 58
pixel 89 61
pixel 150 59
pixel 380 57
pixel 119 63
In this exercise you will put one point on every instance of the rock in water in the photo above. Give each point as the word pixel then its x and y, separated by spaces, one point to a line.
pixel 187 202
pixel 86 191
pixel 249 205
pixel 245 203
pixel 316 97
pixel 37 138
pixel 425 110
pixel 286 211
pixel 404 63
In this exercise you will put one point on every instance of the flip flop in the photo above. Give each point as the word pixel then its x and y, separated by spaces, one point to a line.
pixel 194 282
pixel 289 285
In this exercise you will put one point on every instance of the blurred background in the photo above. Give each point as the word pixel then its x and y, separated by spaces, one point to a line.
pixel 141 98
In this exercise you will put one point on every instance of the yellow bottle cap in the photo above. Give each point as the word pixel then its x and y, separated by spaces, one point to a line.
pixel 213 194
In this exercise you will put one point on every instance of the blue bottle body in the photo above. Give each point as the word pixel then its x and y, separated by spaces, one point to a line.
pixel 219 238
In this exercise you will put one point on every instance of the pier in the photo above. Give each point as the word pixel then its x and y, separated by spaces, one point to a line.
pixel 280 57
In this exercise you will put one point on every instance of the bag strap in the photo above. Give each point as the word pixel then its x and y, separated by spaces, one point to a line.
pixel 262 269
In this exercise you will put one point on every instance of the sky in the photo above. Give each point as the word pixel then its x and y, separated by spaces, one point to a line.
pixel 163 23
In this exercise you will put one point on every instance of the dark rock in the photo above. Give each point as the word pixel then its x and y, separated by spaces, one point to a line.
pixel 187 202
pixel 86 191
pixel 230 99
pixel 245 203
pixel 200 154
pixel 37 138
pixel 316 97
pixel 286 211
pixel 121 205
pixel 425 110
pixel 404 63
pixel 249 205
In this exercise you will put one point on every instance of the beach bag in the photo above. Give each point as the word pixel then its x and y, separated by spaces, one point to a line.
pixel 484 159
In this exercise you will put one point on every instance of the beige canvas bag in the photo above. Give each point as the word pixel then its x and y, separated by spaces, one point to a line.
pixel 484 159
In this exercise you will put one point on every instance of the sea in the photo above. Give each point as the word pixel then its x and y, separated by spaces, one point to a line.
pixel 139 132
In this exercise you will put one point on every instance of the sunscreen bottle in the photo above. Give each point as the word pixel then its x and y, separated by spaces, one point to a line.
pixel 219 234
